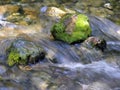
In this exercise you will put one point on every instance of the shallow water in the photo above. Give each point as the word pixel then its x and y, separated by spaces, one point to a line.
pixel 82 68
pixel 75 67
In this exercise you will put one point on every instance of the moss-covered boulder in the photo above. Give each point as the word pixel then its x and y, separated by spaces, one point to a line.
pixel 72 28
pixel 23 52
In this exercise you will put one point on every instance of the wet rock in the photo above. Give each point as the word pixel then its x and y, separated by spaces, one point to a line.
pixel 72 28
pixel 55 13
pixel 95 42
pixel 52 13
pixel 24 52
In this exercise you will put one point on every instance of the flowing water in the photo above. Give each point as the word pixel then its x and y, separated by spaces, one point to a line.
pixel 65 67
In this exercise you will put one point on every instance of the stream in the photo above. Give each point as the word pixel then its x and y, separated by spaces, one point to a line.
pixel 65 67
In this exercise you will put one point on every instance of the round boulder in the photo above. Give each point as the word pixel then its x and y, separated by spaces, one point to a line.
pixel 72 28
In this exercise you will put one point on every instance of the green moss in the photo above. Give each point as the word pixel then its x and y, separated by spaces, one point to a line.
pixel 1 78
pixel 58 28
pixel 82 26
pixel 80 31
pixel 15 58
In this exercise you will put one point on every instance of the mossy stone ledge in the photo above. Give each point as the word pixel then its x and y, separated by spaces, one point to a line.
pixel 23 52
pixel 72 28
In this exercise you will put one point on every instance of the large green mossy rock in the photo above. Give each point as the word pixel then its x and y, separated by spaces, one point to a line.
pixel 23 52
pixel 72 28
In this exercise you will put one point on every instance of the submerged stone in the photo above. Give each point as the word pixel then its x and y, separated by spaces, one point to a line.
pixel 18 14
pixel 72 28
pixel 23 52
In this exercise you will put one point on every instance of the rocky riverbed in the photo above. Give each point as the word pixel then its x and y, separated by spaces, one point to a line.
pixel 25 30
